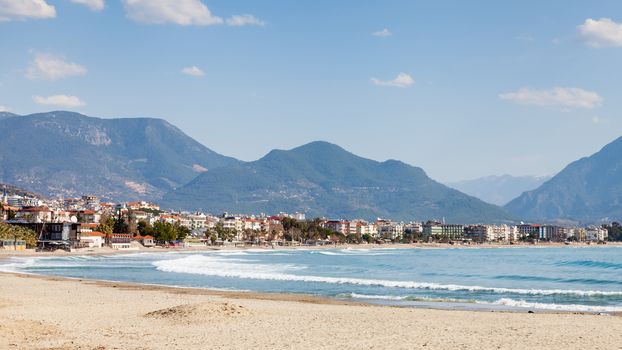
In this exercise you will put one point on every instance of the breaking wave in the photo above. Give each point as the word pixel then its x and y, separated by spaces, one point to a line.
pixel 211 266
pixel 555 307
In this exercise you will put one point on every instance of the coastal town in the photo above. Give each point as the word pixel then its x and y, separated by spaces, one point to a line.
pixel 88 222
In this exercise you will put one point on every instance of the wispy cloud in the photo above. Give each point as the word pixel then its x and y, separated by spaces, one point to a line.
pixel 596 119
pixel 182 12
pixel 193 71
pixel 382 33
pixel 66 101
pixel 561 97
pixel 245 20
pixel 94 5
pixel 402 80
pixel 52 67
pixel 24 9
pixel 603 32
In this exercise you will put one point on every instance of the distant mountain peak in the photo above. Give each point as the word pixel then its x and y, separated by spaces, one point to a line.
pixel 588 190
pixel 318 147
pixel 498 189
pixel 323 179
pixel 72 154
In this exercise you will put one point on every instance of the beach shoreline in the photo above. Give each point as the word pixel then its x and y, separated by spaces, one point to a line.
pixel 48 312
pixel 109 251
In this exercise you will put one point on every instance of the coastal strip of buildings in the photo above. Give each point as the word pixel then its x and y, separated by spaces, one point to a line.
pixel 73 223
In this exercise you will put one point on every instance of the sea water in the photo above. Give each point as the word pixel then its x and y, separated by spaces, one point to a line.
pixel 587 279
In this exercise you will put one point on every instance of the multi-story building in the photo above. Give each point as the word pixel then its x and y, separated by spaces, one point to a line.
pixel 390 230
pixel 528 230
pixel 234 223
pixel 34 214
pixel 479 233
pixel 252 224
pixel 596 234
pixel 437 230
pixel 341 226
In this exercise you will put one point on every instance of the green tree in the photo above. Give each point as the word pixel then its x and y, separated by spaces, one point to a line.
pixel 16 233
pixel 120 226
pixel 164 231
pixel 181 232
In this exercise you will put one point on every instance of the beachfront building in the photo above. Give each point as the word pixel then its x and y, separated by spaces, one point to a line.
pixel 121 241
pixel 389 229
pixel 195 221
pixel 361 228
pixel 552 233
pixel 341 226
pixel 580 234
pixel 528 231
pixel 12 244
pixel 234 223
pixel 439 231
pixel 147 241
pixel 252 224
pixel 596 234
pixel 479 233
pixel 92 239
pixel 59 234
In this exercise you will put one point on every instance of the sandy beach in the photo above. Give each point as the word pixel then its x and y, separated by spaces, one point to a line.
pixel 54 313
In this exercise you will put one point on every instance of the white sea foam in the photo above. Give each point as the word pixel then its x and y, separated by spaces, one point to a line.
pixel 211 266
pixel 406 298
pixel 351 252
pixel 501 302
pixel 557 307
pixel 18 264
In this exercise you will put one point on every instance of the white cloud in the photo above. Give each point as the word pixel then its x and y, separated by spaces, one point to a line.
pixel 194 71
pixel 3 109
pixel 59 101
pixel 182 12
pixel 382 33
pixel 94 5
pixel 402 80
pixel 602 32
pixel 23 9
pixel 562 97
pixel 52 67
pixel 245 20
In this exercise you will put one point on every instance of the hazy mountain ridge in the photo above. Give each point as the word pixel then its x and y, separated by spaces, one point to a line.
pixel 587 190
pixel 498 189
pixel 72 154
pixel 322 179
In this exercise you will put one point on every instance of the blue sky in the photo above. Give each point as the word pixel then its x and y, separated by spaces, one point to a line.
pixel 461 88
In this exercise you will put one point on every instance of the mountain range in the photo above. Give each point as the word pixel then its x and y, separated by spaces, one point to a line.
pixel 323 179
pixel 588 190
pixel 69 154
pixel 499 189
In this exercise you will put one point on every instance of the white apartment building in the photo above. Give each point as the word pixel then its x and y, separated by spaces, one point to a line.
pixel 596 234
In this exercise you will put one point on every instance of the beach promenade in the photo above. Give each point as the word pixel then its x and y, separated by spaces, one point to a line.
pixel 54 313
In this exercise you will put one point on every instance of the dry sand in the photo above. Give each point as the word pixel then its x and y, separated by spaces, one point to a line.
pixel 56 313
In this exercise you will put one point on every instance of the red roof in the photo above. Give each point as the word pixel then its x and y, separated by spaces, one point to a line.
pixel 93 234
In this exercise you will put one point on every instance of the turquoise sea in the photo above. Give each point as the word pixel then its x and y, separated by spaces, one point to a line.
pixel 585 279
